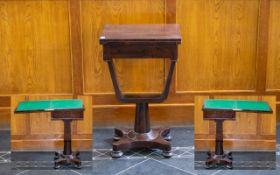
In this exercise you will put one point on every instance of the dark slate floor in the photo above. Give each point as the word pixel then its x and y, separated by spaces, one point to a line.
pixel 133 163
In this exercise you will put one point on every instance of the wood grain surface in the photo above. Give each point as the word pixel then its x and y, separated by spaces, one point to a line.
pixel 34 51
pixel 134 76
pixel 273 62
pixel 50 47
pixel 219 45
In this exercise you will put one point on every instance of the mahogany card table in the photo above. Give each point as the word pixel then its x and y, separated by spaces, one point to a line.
pixel 141 41
pixel 65 110
pixel 220 110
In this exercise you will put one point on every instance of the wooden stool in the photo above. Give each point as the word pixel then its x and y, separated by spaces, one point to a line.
pixel 140 41
pixel 66 110
pixel 220 110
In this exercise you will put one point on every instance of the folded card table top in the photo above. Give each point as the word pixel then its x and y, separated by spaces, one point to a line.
pixel 237 105
pixel 60 109
pixel 49 105
pixel 140 32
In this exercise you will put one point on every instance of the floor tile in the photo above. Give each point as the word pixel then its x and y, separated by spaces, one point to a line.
pixel 153 167
pixel 112 166
pixel 5 140
pixel 133 162
pixel 102 138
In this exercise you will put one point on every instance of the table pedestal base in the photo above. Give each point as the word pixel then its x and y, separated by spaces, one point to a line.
pixel 67 158
pixel 214 160
pixel 127 139
pixel 61 160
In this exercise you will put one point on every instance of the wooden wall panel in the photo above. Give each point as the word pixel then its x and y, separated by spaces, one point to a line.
pixel 250 131
pixel 267 122
pixel 160 115
pixel 85 126
pixel 34 51
pixel 51 47
pixel 273 64
pixel 19 125
pixel 136 76
pixel 36 131
pixel 5 103
pixel 200 125
pixel 219 45
pixel 5 119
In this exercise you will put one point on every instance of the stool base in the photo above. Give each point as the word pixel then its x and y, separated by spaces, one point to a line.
pixel 72 161
pixel 214 160
pixel 127 139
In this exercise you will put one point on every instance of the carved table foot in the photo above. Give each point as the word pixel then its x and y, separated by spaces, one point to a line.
pixel 214 160
pixel 127 139
pixel 61 160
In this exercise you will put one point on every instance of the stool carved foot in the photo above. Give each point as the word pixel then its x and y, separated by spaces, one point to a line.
pixel 61 160
pixel 214 160
pixel 128 139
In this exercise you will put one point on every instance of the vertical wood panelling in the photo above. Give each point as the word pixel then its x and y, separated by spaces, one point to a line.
pixel 200 125
pixel 262 41
pixel 170 18
pixel 51 47
pixel 18 122
pixel 34 51
pixel 76 47
pixel 273 62
pixel 85 126
pixel 5 119
pixel 219 45
pixel 267 123
pixel 134 76
pixel 170 10
pixel 120 116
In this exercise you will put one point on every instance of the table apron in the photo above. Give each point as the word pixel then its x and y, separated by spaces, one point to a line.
pixel 218 115
pixel 67 114
pixel 140 51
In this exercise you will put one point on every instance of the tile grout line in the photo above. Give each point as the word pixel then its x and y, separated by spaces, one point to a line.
pixel 101 154
pixel 105 154
pixel 22 172
pixel 76 172
pixel 186 152
pixel 132 166
pixel 137 152
pixel 216 172
pixel 6 153
pixel 174 167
